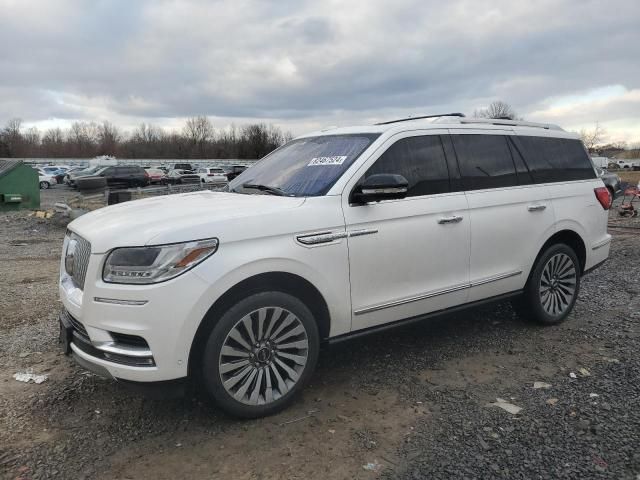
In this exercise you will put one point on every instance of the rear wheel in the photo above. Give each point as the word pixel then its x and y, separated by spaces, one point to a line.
pixel 260 354
pixel 553 286
pixel 44 185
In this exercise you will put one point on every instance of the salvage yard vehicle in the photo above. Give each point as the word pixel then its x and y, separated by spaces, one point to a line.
pixel 611 181
pixel 336 234
pixel 124 176
pixel 212 175
pixel 178 177
pixel 45 179
pixel 155 175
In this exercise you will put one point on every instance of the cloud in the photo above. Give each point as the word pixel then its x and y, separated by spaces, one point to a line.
pixel 307 63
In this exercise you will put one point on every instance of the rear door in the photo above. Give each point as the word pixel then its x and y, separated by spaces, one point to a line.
pixel 509 215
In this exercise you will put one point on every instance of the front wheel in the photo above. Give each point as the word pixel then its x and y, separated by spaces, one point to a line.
pixel 260 353
pixel 553 287
pixel 44 185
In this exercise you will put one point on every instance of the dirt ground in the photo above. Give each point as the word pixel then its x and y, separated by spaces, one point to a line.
pixel 412 403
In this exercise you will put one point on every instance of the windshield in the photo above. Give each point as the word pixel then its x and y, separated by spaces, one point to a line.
pixel 306 167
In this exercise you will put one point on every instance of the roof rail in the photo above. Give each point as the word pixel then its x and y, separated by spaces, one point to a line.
pixel 513 123
pixel 408 119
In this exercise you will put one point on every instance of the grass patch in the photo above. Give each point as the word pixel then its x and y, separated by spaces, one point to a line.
pixel 630 177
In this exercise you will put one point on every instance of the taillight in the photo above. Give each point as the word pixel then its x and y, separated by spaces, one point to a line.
pixel 604 197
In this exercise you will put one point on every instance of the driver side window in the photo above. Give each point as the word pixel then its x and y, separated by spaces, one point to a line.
pixel 421 160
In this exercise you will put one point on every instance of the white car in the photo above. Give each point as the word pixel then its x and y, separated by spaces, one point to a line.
pixel 212 175
pixel 336 234
pixel 45 179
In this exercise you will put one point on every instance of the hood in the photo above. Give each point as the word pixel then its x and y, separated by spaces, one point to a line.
pixel 176 218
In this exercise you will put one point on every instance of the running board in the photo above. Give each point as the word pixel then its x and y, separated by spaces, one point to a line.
pixel 419 318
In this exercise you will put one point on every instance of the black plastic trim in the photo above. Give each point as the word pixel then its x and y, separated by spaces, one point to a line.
pixel 419 318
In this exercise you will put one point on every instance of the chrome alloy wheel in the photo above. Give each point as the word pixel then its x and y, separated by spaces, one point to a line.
pixel 263 356
pixel 558 284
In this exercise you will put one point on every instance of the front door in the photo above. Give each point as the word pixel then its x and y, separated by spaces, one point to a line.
pixel 408 257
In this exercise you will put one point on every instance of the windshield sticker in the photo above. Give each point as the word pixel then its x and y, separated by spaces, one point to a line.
pixel 338 160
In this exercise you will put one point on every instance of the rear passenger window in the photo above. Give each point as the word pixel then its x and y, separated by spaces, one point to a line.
pixel 524 176
pixel 485 161
pixel 420 160
pixel 556 159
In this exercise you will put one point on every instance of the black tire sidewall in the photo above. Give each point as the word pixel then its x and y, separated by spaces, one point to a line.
pixel 210 357
pixel 531 298
pixel 44 185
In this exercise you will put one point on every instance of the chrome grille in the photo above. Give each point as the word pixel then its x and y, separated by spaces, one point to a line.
pixel 80 260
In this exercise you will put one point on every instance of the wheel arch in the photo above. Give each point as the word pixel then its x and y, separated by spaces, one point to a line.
pixel 570 238
pixel 285 282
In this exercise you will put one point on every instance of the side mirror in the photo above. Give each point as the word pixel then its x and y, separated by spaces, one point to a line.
pixel 381 186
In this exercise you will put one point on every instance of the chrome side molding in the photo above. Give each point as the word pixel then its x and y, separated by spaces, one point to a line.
pixel 116 301
pixel 328 237
pixel 435 293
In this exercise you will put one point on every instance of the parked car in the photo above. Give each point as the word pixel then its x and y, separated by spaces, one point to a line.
pixel 57 171
pixel 45 179
pixel 182 166
pixel 155 175
pixel 212 175
pixel 178 176
pixel 336 234
pixel 611 181
pixel 124 176
pixel 233 171
pixel 71 176
pixel 627 164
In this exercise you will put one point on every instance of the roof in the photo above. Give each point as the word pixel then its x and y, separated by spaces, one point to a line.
pixel 442 122
pixel 6 165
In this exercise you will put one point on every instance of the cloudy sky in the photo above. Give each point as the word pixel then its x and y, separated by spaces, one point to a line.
pixel 307 64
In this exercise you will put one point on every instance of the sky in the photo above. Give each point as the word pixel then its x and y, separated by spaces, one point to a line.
pixel 305 65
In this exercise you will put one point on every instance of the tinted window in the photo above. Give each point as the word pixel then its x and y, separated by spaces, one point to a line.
pixel 524 176
pixel 556 159
pixel 420 160
pixel 485 161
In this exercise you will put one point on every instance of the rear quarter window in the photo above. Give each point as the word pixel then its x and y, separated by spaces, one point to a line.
pixel 556 159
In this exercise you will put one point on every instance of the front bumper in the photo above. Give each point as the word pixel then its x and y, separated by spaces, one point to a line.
pixel 139 333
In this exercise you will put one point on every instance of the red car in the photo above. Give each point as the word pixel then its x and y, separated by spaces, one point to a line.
pixel 155 175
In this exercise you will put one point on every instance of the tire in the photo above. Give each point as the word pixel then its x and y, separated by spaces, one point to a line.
pixel 44 185
pixel 553 286
pixel 283 352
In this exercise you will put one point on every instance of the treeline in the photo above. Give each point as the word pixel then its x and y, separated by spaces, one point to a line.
pixel 197 139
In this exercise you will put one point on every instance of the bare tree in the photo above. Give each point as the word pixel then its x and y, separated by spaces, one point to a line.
pixel 199 131
pixel 12 137
pixel 53 142
pixel 497 110
pixel 108 138
pixel 592 138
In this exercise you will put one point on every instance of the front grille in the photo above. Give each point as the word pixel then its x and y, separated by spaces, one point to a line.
pixel 80 260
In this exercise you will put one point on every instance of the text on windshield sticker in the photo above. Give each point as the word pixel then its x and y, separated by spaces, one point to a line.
pixel 338 160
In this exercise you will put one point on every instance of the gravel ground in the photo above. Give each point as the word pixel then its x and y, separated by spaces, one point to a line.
pixel 412 403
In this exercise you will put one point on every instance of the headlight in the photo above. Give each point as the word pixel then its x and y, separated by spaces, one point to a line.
pixel 156 263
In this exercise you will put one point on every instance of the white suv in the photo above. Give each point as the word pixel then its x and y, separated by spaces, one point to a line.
pixel 337 233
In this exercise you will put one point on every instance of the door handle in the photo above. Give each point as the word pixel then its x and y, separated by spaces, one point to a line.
pixel 453 219
pixel 536 208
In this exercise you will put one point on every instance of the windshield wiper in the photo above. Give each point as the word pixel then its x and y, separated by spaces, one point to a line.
pixel 266 188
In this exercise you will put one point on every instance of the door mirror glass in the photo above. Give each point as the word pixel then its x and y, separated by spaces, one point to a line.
pixel 381 186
